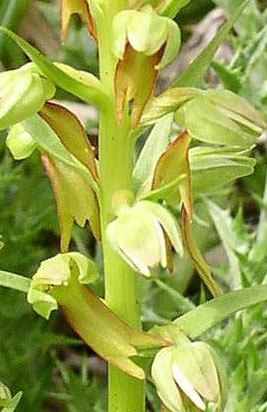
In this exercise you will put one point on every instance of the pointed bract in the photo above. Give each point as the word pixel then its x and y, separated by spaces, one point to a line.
pixel 80 7
pixel 72 134
pixel 202 267
pixel 173 163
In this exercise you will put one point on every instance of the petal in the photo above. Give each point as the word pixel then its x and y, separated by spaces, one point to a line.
pixel 187 387
pixel 172 45
pixel 166 220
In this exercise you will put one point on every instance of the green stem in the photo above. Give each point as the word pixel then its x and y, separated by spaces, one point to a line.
pixel 126 394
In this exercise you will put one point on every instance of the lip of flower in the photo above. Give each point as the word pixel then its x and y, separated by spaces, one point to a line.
pixel 138 236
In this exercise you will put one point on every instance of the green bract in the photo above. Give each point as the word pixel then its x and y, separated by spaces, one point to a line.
pixel 147 33
pixel 22 94
pixel 188 376
pixel 138 235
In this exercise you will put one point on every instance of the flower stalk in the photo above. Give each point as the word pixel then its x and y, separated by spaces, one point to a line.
pixel 126 394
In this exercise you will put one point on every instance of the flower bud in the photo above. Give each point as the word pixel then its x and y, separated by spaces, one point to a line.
pixel 188 376
pixel 138 235
pixel 22 93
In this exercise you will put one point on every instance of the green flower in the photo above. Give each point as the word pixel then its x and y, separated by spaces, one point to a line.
pixel 147 33
pixel 188 376
pixel 144 43
pixel 139 235
pixel 23 92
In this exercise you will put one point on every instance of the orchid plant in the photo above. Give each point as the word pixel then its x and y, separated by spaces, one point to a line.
pixel 140 210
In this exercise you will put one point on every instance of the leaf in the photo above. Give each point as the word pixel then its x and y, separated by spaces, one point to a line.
pixel 13 281
pixel 174 163
pixel 202 267
pixel 229 78
pixel 81 7
pixel 206 316
pixel 83 85
pixel 156 142
pixel 71 133
pixel 171 8
pixel 232 242
pixel 194 74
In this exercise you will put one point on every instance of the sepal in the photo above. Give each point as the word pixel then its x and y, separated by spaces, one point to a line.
pixel 22 95
pixel 20 142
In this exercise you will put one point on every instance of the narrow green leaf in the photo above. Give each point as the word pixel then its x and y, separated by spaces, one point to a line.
pixel 91 91
pixel 156 142
pixel 171 8
pixel 164 191
pixel 205 316
pixel 194 74
pixel 13 281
